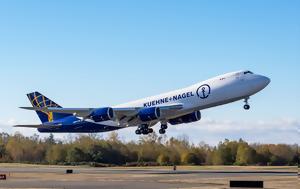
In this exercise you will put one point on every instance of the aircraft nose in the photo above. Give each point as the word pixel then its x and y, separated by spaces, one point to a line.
pixel 264 81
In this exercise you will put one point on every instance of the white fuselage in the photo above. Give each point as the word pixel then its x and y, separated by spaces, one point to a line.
pixel 213 92
pixel 175 107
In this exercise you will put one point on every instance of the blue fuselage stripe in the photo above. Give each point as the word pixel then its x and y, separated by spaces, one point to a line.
pixel 72 124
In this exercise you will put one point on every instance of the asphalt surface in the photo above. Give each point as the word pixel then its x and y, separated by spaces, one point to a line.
pixel 137 178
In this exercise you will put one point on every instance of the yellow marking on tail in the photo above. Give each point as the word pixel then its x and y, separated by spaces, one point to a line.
pixel 50 116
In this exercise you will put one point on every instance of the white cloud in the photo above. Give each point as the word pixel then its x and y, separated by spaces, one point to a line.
pixel 209 130
pixel 260 131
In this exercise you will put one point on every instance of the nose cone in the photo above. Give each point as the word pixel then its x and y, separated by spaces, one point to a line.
pixel 263 81
pixel 266 80
pixel 256 83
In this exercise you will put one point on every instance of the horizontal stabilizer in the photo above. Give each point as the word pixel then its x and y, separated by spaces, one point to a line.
pixel 81 112
pixel 39 126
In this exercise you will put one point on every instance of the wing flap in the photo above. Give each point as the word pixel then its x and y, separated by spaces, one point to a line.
pixel 129 115
pixel 177 106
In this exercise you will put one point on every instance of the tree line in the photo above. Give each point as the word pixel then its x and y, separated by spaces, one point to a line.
pixel 148 150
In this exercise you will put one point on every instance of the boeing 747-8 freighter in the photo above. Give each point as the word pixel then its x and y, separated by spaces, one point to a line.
pixel 175 107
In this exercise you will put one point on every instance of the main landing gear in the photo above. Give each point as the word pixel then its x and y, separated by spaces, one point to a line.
pixel 163 128
pixel 143 129
pixel 246 106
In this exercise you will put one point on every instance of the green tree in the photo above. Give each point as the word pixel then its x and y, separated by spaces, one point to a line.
pixel 50 139
pixel 189 158
pixel 263 154
pixel 245 155
pixel 2 151
pixel 15 148
pixel 151 148
pixel 282 154
pixel 56 153
pixel 163 159
pixel 75 154
pixel 223 154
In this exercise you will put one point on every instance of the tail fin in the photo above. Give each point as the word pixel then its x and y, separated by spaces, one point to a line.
pixel 39 100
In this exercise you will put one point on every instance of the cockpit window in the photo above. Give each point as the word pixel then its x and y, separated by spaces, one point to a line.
pixel 248 72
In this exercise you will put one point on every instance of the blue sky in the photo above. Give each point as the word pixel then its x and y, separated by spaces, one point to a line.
pixel 99 53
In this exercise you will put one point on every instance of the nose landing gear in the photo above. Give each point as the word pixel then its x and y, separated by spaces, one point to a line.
pixel 246 106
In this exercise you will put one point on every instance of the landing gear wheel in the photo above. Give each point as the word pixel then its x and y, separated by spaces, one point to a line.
pixel 145 131
pixel 164 127
pixel 162 131
pixel 246 107
pixel 150 130
pixel 142 129
pixel 138 132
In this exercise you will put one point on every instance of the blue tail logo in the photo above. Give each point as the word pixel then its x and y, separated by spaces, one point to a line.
pixel 39 100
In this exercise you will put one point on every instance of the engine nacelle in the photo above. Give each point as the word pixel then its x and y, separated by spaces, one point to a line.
pixel 192 117
pixel 102 114
pixel 149 114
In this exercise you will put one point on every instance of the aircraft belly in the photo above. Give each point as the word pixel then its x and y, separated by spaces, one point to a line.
pixel 85 127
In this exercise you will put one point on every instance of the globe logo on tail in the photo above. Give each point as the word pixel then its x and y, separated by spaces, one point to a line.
pixel 203 91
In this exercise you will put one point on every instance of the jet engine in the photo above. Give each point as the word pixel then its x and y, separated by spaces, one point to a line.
pixel 102 114
pixel 149 114
pixel 192 117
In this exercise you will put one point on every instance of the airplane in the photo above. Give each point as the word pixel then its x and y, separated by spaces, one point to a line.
pixel 173 108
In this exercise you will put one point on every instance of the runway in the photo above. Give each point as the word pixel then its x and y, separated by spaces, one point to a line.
pixel 23 176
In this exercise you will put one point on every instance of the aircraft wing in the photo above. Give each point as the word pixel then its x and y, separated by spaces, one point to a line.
pixel 126 114
pixel 135 110
pixel 130 115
